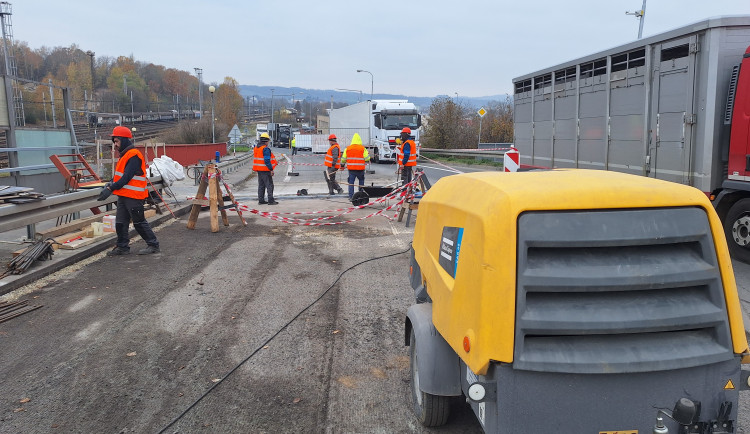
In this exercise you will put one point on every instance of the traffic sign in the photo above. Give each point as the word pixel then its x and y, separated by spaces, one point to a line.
pixel 482 112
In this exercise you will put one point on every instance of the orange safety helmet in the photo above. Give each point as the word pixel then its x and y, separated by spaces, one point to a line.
pixel 406 130
pixel 122 132
pixel 332 137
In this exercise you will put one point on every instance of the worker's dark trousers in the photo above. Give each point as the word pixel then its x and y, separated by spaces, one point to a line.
pixel 294 150
pixel 331 180
pixel 406 173
pixel 355 174
pixel 132 209
pixel 265 182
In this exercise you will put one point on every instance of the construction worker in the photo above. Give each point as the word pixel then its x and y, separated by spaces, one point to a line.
pixel 294 146
pixel 130 185
pixel 355 157
pixel 333 164
pixel 264 162
pixel 407 155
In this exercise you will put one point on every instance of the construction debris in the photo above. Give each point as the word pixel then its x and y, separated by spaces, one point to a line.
pixel 18 195
pixel 12 310
pixel 41 250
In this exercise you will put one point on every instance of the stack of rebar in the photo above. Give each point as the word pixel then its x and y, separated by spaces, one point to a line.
pixel 12 310
pixel 41 250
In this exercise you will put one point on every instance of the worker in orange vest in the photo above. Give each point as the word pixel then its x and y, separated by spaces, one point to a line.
pixel 333 164
pixel 130 185
pixel 407 155
pixel 355 157
pixel 264 162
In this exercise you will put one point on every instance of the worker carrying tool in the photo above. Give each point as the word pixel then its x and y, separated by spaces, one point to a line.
pixel 129 184
pixel 264 162
pixel 294 146
pixel 333 164
pixel 355 156
pixel 407 155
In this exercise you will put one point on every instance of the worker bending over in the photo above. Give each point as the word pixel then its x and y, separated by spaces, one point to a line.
pixel 355 156
pixel 263 163
pixel 333 164
pixel 408 156
pixel 130 186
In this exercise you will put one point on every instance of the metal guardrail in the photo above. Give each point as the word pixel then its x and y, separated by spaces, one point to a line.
pixel 493 153
pixel 227 166
pixel 51 207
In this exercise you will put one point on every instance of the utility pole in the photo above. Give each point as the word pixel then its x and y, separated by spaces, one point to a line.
pixel 199 73
pixel 640 15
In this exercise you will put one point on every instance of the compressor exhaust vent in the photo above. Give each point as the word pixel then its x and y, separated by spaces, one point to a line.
pixel 618 291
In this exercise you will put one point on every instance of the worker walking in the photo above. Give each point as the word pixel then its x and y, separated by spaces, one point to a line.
pixel 355 156
pixel 294 146
pixel 130 185
pixel 407 156
pixel 264 162
pixel 333 164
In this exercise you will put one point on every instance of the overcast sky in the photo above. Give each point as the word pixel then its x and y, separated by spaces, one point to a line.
pixel 412 47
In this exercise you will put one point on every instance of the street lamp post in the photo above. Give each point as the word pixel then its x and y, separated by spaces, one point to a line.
pixel 213 131
pixel 353 90
pixel 372 81
pixel 271 105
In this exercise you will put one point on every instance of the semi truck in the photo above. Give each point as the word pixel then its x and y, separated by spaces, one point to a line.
pixel 379 123
pixel 574 301
pixel 280 134
pixel 673 106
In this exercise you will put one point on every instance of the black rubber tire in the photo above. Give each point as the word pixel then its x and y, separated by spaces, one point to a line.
pixel 431 410
pixel 375 156
pixel 360 198
pixel 737 230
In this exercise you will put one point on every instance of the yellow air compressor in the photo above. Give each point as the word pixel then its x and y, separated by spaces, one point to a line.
pixel 574 301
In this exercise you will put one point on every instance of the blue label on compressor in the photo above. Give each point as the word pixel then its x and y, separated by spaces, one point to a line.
pixel 450 249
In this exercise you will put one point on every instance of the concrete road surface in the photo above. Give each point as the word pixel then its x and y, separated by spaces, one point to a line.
pixel 246 330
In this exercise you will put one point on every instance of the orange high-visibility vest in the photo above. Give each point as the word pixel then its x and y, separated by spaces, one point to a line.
pixel 355 157
pixel 329 157
pixel 412 161
pixel 259 164
pixel 136 187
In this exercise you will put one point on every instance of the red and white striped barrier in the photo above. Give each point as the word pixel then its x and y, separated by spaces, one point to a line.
pixel 511 161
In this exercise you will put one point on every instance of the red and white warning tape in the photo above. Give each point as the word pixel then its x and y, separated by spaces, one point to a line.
pixel 441 164
pixel 319 221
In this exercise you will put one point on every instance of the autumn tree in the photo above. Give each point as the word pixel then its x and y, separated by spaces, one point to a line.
pixel 497 125
pixel 448 125
pixel 229 103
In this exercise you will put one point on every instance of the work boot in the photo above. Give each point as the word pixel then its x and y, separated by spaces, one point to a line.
pixel 262 202
pixel 149 250
pixel 117 251
pixel 272 202
pixel 330 192
pixel 340 190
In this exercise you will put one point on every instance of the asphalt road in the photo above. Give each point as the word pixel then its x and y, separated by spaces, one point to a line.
pixel 132 344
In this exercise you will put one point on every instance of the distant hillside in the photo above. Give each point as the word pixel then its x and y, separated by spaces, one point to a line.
pixel 352 97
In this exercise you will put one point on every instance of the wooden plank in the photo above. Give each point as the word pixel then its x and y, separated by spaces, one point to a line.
pixel 68 227
pixel 213 197
pixel 196 209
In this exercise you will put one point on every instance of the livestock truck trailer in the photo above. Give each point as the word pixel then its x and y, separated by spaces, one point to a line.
pixel 673 106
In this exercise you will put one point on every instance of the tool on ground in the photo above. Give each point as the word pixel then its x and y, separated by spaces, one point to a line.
pixel 585 291
pixel 161 198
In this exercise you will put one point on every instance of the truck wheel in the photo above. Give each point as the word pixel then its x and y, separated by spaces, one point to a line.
pixel 431 410
pixel 737 230
pixel 375 157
